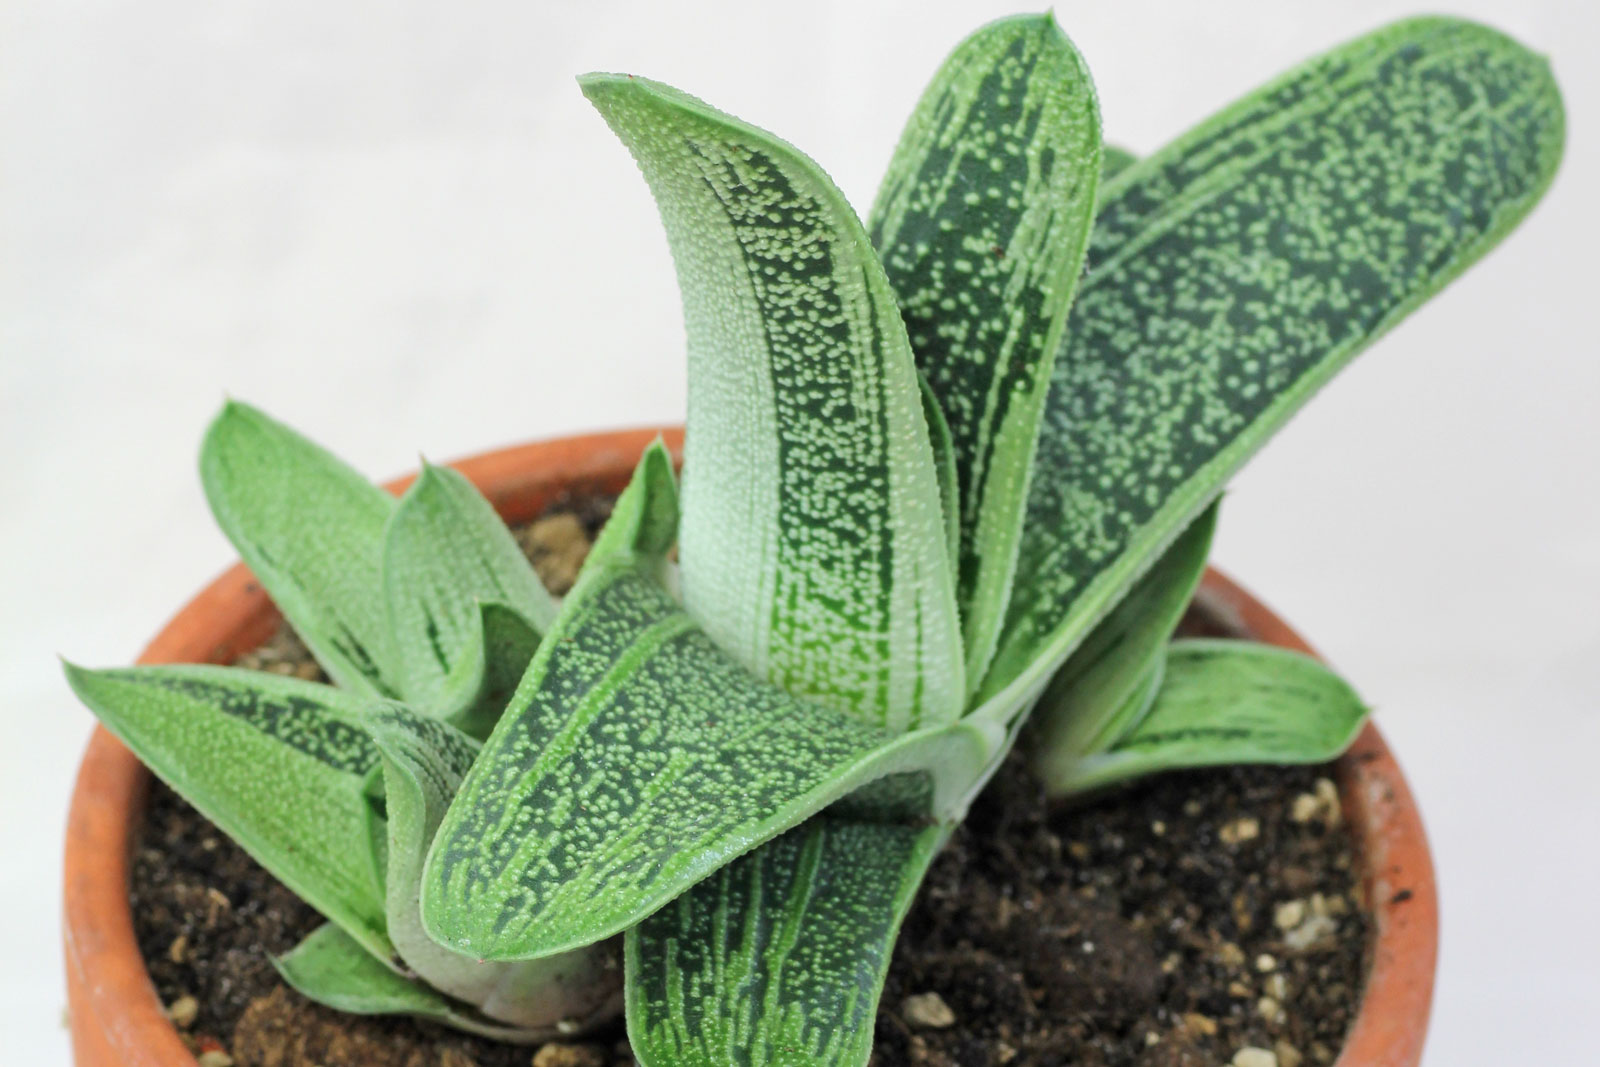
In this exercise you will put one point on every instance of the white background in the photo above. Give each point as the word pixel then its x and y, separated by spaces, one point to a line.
pixel 398 226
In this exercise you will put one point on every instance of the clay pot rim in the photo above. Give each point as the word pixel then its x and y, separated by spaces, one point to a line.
pixel 117 1018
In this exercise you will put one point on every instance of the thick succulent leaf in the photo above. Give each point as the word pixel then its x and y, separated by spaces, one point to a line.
pixel 311 530
pixel 445 555
pixel 1106 686
pixel 424 761
pixel 1227 702
pixel 779 958
pixel 637 758
pixel 944 461
pixel 813 543
pixel 486 671
pixel 982 222
pixel 1113 161
pixel 333 969
pixel 644 522
pixel 1232 273
pixel 280 765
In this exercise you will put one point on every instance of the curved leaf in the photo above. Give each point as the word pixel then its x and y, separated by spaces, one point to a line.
pixel 1225 702
pixel 280 765
pixel 636 759
pixel 310 529
pixel 424 761
pixel 982 222
pixel 813 545
pixel 1235 271
pixel 944 462
pixel 1113 161
pixel 1107 685
pixel 332 969
pixel 446 555
pixel 780 957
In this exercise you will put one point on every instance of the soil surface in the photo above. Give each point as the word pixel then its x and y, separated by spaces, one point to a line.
pixel 1175 924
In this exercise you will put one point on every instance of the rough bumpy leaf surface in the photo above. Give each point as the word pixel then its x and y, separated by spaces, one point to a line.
pixel 424 761
pixel 813 543
pixel 1107 685
pixel 778 958
pixel 446 554
pixel 332 969
pixel 982 223
pixel 1235 271
pixel 311 530
pixel 636 759
pixel 279 765
pixel 1113 161
pixel 1228 702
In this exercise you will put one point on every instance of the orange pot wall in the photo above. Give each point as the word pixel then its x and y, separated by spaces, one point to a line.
pixel 117 1019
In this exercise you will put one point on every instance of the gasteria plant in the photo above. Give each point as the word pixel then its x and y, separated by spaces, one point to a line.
pixel 919 501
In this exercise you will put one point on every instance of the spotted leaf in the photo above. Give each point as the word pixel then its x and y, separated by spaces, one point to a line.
pixel 813 543
pixel 1108 684
pixel 446 555
pixel 1226 702
pixel 1233 272
pixel 637 758
pixel 982 222
pixel 779 958
pixel 424 761
pixel 279 765
pixel 311 530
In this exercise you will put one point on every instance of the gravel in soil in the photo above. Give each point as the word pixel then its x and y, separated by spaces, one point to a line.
pixel 1202 918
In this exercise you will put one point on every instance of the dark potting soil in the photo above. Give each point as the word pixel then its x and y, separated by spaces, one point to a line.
pixel 1170 925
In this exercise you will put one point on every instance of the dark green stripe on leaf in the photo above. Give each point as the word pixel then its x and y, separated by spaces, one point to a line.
pixel 311 530
pixel 1106 686
pixel 280 765
pixel 982 223
pixel 813 544
pixel 1223 702
pixel 1234 272
pixel 778 958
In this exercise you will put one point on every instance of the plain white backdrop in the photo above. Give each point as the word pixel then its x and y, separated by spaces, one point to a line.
pixel 399 227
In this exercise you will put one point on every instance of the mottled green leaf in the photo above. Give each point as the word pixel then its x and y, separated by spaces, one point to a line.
pixel 424 761
pixel 333 969
pixel 1108 683
pixel 637 758
pixel 487 670
pixel 813 543
pixel 1113 161
pixel 982 222
pixel 1228 702
pixel 944 461
pixel 278 764
pixel 779 958
pixel 311 530
pixel 1235 271
pixel 445 555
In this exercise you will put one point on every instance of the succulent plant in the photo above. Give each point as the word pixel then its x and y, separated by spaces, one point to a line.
pixel 944 468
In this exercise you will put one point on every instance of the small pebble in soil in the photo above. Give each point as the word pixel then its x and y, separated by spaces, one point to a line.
pixel 1240 830
pixel 1250 1056
pixel 183 1011
pixel 927 1011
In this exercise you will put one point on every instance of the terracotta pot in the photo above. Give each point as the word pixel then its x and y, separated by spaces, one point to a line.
pixel 117 1020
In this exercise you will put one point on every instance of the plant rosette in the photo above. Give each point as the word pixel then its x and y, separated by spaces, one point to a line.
pixel 922 508
pixel 117 1019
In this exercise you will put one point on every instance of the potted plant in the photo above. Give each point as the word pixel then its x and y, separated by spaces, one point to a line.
pixel 923 510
